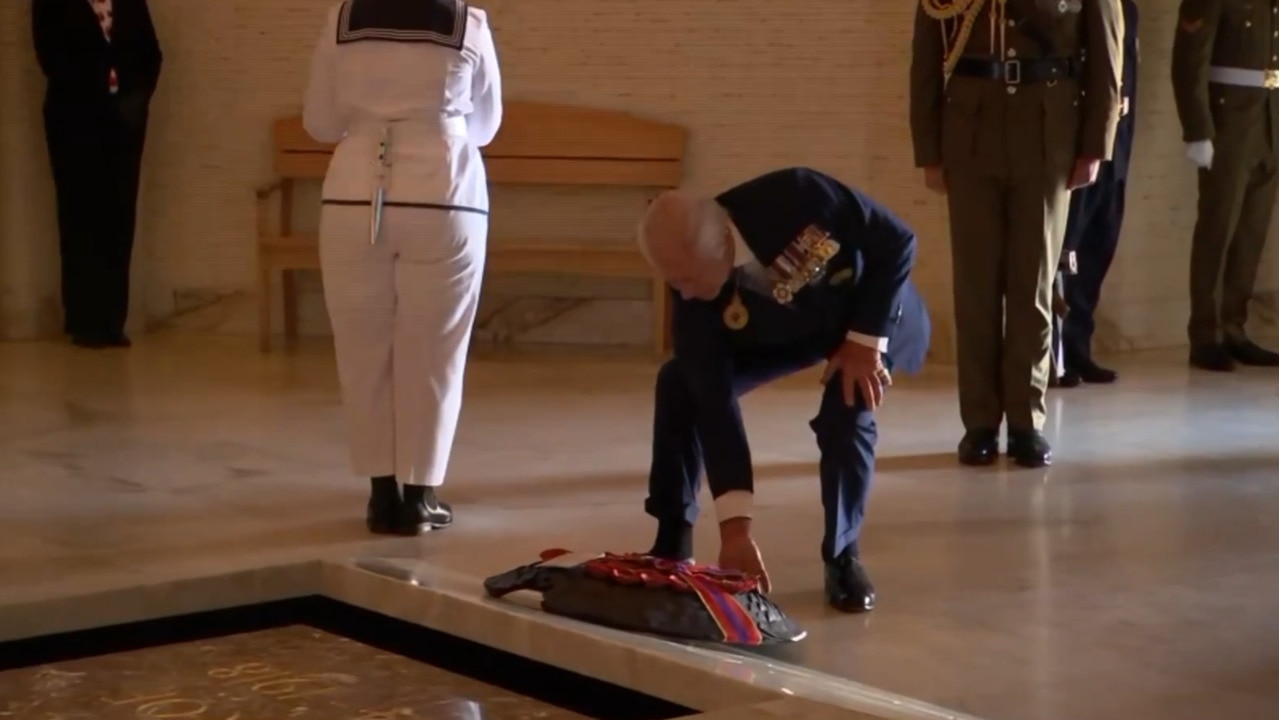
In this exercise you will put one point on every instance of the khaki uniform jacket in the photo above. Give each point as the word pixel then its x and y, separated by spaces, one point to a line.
pixel 1225 33
pixel 1028 128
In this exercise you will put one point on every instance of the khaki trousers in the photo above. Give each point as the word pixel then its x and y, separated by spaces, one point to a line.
pixel 402 311
pixel 1006 236
pixel 1236 198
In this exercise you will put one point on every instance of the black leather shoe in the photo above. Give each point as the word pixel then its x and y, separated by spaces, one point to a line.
pixel 423 513
pixel 90 342
pixel 1069 379
pixel 1094 374
pixel 979 447
pixel 848 587
pixel 1247 352
pixel 1212 357
pixel 1029 448
pixel 118 340
pixel 383 510
pixel 674 541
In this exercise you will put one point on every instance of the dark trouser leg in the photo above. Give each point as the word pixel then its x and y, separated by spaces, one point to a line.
pixel 78 156
pixel 674 477
pixel 1094 254
pixel 1037 211
pixel 117 250
pixel 1244 255
pixel 1221 194
pixel 846 437
pixel 978 240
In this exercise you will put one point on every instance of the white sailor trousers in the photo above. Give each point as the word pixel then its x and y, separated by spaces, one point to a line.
pixel 402 310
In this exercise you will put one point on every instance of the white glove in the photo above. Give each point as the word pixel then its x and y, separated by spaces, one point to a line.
pixel 1200 153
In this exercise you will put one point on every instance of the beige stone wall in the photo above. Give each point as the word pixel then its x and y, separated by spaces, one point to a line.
pixel 760 84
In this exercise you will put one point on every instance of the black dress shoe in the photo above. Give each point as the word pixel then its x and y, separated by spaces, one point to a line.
pixel 91 342
pixel 1247 352
pixel 1029 448
pixel 98 341
pixel 1094 374
pixel 384 509
pixel 421 511
pixel 979 447
pixel 1212 357
pixel 848 587
pixel 1069 379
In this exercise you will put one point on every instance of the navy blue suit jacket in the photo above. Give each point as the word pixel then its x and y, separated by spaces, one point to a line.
pixel 866 288
pixel 1127 131
pixel 76 57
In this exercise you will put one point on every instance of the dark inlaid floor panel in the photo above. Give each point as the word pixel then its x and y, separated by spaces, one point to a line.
pixel 291 672
pixel 254 664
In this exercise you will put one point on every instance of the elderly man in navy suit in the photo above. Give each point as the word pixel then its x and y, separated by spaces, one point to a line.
pixel 776 275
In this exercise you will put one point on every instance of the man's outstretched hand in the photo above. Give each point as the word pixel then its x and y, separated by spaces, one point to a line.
pixel 737 551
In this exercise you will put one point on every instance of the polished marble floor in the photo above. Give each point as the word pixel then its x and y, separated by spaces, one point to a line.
pixel 1135 579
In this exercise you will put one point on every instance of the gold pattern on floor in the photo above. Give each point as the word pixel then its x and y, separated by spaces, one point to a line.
pixel 293 672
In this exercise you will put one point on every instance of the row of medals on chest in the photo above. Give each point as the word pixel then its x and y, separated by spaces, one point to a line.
pixel 802 263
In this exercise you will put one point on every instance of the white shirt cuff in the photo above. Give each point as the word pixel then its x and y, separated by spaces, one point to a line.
pixel 734 504
pixel 879 343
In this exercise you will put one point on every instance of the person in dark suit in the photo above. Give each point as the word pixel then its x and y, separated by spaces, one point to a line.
pixel 102 61
pixel 1092 232
pixel 771 277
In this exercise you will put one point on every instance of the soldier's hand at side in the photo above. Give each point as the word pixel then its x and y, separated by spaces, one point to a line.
pixel 737 551
pixel 861 369
pixel 935 179
pixel 1085 173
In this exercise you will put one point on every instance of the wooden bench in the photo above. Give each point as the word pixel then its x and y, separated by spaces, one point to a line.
pixel 539 144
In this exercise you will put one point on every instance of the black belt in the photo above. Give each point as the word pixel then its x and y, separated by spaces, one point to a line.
pixel 1018 72
pixel 403 204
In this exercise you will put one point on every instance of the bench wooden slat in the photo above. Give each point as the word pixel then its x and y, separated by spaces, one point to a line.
pixel 539 144
pixel 608 259
pixel 607 173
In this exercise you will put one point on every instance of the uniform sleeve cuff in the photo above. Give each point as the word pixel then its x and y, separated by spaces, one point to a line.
pixel 734 504
pixel 870 341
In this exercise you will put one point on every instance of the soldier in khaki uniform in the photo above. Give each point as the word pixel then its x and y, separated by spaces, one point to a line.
pixel 1225 76
pixel 1006 119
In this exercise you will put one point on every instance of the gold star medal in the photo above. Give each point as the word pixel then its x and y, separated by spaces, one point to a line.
pixel 736 315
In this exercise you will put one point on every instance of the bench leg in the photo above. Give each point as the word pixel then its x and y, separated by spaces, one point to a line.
pixel 289 281
pixel 264 309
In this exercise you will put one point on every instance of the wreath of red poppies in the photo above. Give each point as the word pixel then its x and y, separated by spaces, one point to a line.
pixel 633 569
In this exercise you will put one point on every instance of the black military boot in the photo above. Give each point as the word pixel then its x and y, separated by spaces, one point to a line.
pixel 384 505
pixel 979 447
pixel 1247 352
pixel 848 587
pixel 1092 373
pixel 1213 357
pixel 674 541
pixel 1068 379
pixel 1029 448
pixel 422 511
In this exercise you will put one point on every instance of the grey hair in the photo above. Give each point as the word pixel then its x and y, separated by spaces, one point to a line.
pixel 707 222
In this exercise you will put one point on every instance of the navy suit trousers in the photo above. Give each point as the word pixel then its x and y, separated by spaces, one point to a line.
pixel 845 435
pixel 1092 233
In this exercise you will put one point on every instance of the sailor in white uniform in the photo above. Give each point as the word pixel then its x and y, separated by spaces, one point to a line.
pixel 410 91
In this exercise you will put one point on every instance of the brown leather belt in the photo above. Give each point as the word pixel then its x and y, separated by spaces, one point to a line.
pixel 1018 72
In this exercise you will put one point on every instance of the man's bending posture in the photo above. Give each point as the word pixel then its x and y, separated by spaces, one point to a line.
pixel 774 276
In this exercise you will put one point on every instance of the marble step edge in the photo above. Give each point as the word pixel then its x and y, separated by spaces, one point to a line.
pixel 707 679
